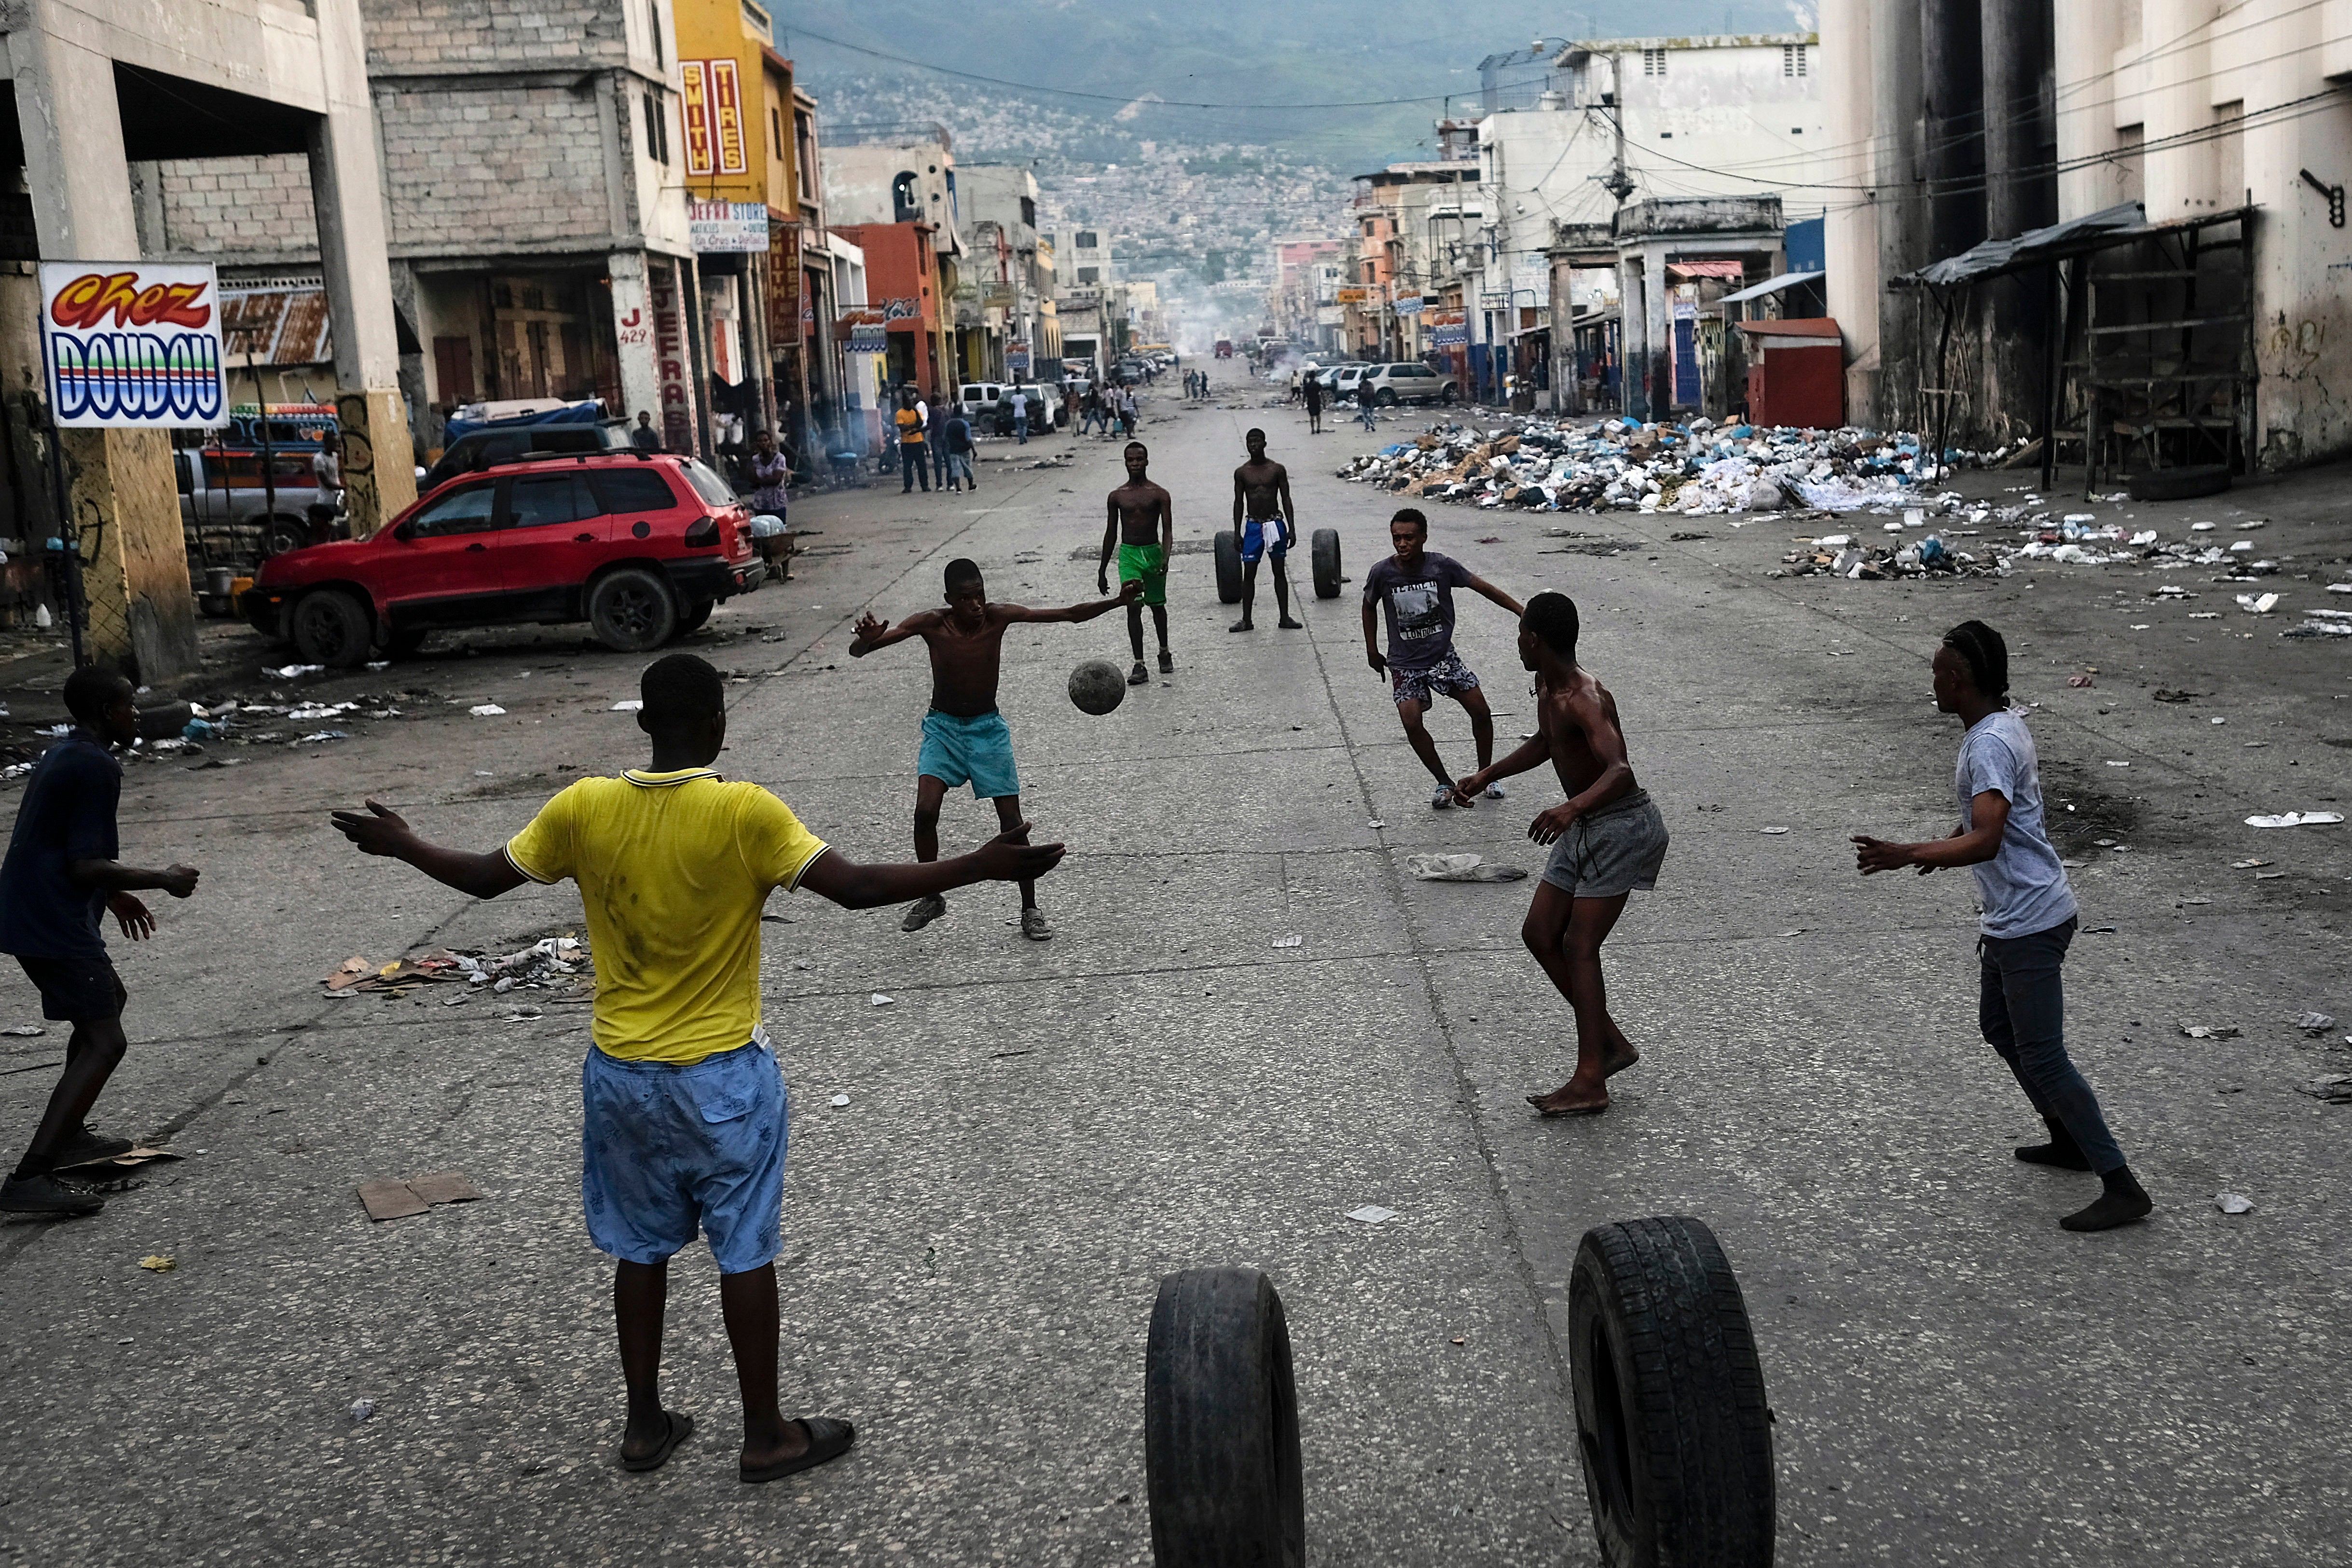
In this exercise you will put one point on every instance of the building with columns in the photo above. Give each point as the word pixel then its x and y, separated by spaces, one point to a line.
pixel 99 88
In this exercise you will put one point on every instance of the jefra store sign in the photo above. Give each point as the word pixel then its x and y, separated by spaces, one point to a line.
pixel 131 344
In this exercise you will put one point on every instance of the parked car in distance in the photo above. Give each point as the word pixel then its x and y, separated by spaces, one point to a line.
pixel 1343 380
pixel 980 400
pixel 221 492
pixel 1395 383
pixel 640 545
pixel 479 449
pixel 1328 376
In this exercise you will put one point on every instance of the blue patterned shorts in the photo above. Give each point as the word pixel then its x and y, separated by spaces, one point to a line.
pixel 1448 676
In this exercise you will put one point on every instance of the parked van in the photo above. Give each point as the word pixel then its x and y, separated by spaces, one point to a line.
pixel 221 495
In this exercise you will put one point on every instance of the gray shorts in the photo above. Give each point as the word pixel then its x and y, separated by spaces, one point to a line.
pixel 1610 851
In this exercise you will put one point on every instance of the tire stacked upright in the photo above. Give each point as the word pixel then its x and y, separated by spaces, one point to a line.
pixel 1672 1424
pixel 1221 1424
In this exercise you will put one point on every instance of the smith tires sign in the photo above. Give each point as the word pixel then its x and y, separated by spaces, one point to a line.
pixel 132 345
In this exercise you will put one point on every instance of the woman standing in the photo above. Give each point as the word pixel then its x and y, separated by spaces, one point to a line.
pixel 772 472
pixel 2029 917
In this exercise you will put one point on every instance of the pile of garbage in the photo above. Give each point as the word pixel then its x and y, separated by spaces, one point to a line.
pixel 1697 468
pixel 556 963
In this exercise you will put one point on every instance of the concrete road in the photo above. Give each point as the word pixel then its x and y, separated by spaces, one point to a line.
pixel 1035 1132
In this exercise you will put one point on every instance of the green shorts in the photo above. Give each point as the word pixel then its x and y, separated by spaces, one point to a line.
pixel 1147 564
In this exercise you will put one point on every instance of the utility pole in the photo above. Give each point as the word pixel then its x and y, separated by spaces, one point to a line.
pixel 1618 183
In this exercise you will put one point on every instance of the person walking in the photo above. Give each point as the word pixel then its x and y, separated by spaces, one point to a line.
pixel 1313 393
pixel 911 458
pixel 1364 402
pixel 2027 922
pixel 957 439
pixel 771 477
pixel 1021 416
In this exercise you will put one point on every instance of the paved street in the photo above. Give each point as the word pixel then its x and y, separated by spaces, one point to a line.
pixel 1035 1132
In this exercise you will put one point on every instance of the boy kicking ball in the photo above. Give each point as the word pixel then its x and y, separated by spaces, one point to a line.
pixel 1607 839
pixel 1415 587
pixel 687 1115
pixel 964 736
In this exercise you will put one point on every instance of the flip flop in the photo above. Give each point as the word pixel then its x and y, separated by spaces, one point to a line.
pixel 679 1427
pixel 1570 1111
pixel 828 1439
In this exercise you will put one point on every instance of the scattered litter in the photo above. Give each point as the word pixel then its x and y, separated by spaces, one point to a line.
pixel 319 735
pixel 2082 681
pixel 1772 830
pixel 361 1409
pixel 292 671
pixel 1376 821
pixel 128 1159
pixel 1460 868
pixel 486 711
pixel 2210 1031
pixel 24 1029
pixel 2268 876
pixel 2246 865
pixel 2233 1202
pixel 2201 527
pixel 882 1000
pixel 1292 940
pixel 519 1015
pixel 158 1262
pixel 392 1199
pixel 2113 763
pixel 2314 1023
pixel 2336 1090
pixel 634 705
pixel 840 1100
pixel 2296 819
pixel 1373 1213
pixel 2262 606
pixel 552 963
pixel 2218 720
pixel 2098 931
pixel 1796 931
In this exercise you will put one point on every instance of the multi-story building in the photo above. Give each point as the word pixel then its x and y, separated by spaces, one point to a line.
pixel 1010 271
pixel 1414 222
pixel 1087 297
pixel 898 183
pixel 2205 145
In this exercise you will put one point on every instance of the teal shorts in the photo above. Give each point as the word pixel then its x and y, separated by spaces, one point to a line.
pixel 978 750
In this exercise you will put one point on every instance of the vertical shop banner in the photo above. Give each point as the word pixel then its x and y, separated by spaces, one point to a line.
pixel 727 116
pixel 784 283
pixel 132 345
pixel 669 356
pixel 694 110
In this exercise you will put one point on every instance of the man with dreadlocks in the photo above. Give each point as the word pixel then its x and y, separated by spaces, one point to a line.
pixel 2029 917
pixel 1607 839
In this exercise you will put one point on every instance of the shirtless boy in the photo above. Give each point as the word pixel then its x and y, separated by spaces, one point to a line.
pixel 1140 519
pixel 1264 522
pixel 1607 839
pixel 964 737
pixel 1415 586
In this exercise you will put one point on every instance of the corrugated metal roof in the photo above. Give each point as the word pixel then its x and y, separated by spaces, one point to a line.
pixel 1771 285
pixel 277 325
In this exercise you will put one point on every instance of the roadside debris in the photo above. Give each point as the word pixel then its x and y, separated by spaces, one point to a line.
pixel 2233 1203
pixel 882 1000
pixel 2314 1023
pixel 159 1263
pixel 632 705
pixel 1460 868
pixel 2336 1090
pixel 1373 1213
pixel 1289 942
pixel 552 963
pixel 361 1409
pixel 2296 819
pixel 24 1029
pixel 394 1199
pixel 2323 622
pixel 486 711
pixel 839 1101
pixel 2210 1031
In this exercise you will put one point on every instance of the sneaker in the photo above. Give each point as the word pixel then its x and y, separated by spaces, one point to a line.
pixel 1034 926
pixel 1439 798
pixel 1494 792
pixel 81 1147
pixel 47 1194
pixel 1139 675
pixel 1167 662
pixel 923 911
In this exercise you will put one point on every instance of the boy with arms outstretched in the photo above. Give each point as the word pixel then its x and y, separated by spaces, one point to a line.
pixel 1264 522
pixel 964 736
pixel 687 1115
pixel 1607 839
pixel 1140 519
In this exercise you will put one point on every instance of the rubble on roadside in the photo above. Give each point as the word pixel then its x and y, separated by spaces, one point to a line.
pixel 556 963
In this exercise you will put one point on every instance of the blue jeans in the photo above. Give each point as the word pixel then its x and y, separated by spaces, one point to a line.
pixel 1021 427
pixel 2021 1008
pixel 1365 414
pixel 960 466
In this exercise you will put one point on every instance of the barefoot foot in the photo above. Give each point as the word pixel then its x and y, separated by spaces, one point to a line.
pixel 1568 1099
pixel 1618 1060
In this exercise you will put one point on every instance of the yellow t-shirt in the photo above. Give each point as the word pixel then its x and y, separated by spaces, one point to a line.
pixel 910 428
pixel 673 868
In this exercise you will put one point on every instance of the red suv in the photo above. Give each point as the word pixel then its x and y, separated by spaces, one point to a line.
pixel 640 545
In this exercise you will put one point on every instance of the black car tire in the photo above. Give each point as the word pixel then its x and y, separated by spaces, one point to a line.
pixel 332 628
pixel 1387 398
pixel 691 619
pixel 1221 1424
pixel 631 610
pixel 1324 546
pixel 2179 484
pixel 1229 568
pixel 403 641
pixel 280 534
pixel 1448 394
pixel 1673 1429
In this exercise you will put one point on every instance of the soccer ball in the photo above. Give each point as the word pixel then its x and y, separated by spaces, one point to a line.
pixel 1097 687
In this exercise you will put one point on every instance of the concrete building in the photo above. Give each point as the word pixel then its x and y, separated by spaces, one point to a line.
pixel 100 87
pixel 1086 293
pixel 1414 222
pixel 2230 129
pixel 892 182
pixel 1010 272
pixel 906 309
pixel 534 194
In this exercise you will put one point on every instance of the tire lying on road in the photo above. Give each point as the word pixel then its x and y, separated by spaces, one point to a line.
pixel 1324 543
pixel 1221 1424
pixel 1229 568
pixel 1672 1424
pixel 333 628
pixel 631 611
